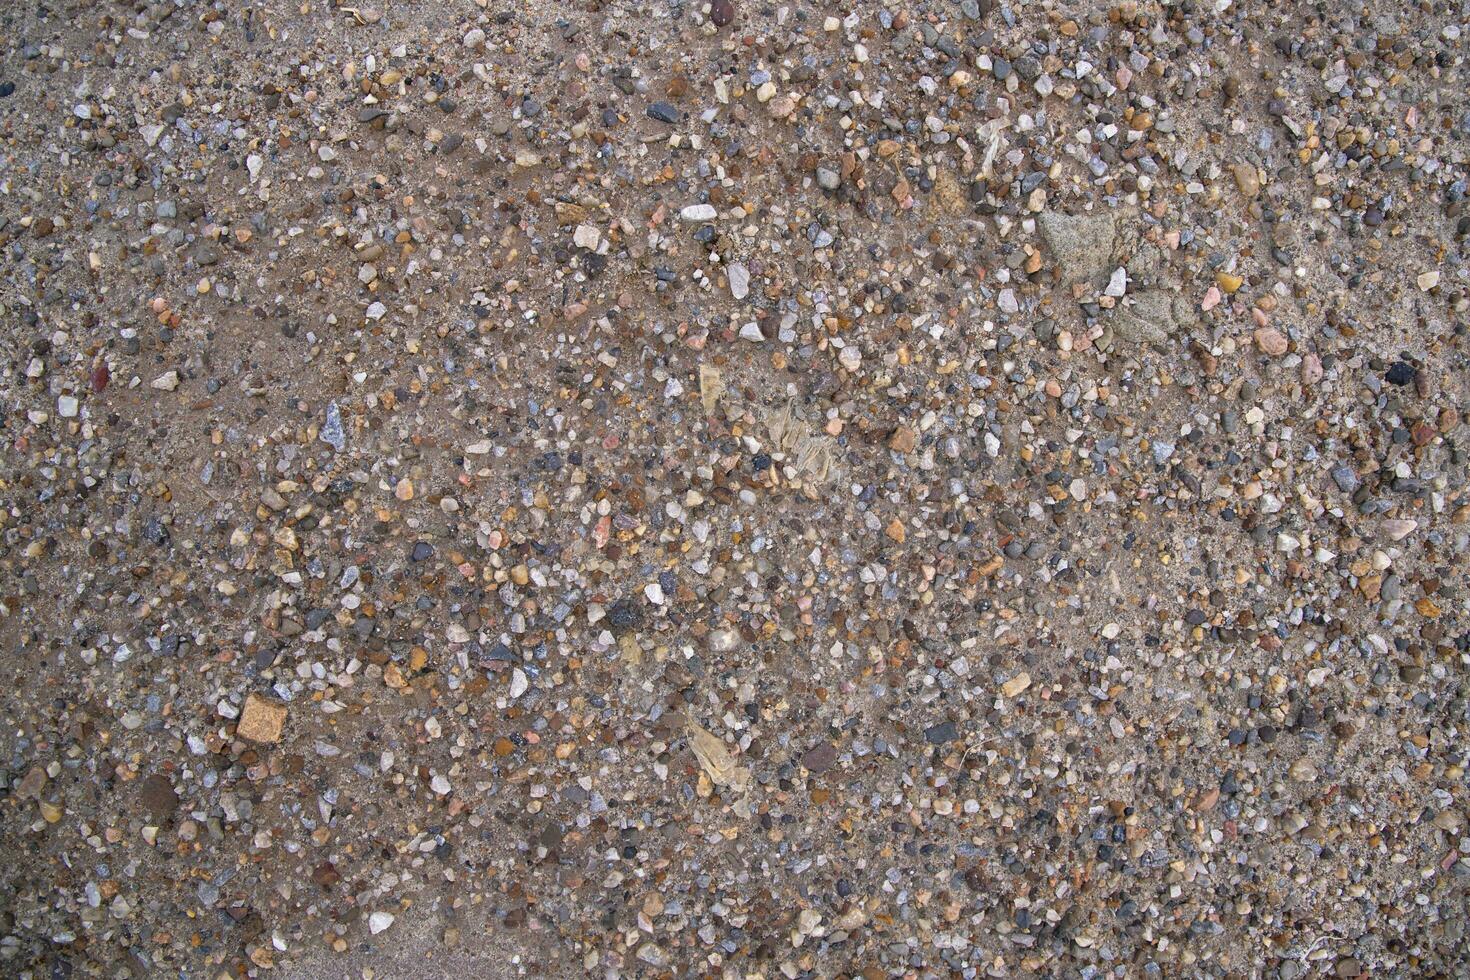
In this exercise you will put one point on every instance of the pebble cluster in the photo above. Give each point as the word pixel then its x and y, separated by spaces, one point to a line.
pixel 734 489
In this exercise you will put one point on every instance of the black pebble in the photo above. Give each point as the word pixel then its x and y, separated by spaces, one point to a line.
pixel 940 733
pixel 664 112
pixel 623 615
pixel 1402 373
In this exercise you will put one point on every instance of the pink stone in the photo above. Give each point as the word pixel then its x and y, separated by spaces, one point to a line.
pixel 1271 341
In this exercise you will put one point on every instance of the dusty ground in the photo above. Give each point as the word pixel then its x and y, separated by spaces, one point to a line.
pixel 734 490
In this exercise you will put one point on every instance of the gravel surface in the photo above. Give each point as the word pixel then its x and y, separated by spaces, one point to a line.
pixel 740 490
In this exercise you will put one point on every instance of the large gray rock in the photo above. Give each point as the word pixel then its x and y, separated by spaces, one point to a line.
pixel 1082 244
pixel 1153 317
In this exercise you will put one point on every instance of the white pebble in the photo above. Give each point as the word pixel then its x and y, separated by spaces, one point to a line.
pixel 739 280
pixel 588 237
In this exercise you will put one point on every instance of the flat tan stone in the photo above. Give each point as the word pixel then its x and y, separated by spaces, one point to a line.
pixel 1016 685
pixel 262 720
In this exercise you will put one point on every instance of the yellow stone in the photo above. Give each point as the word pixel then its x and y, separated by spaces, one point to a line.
pixel 1247 179
pixel 262 720
pixel 1016 685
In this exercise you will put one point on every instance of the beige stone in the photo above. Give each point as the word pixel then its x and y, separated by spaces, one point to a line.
pixel 1016 685
pixel 262 720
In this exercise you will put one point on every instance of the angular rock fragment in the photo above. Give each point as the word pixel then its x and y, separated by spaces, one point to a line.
pixel 261 720
pixel 1082 244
